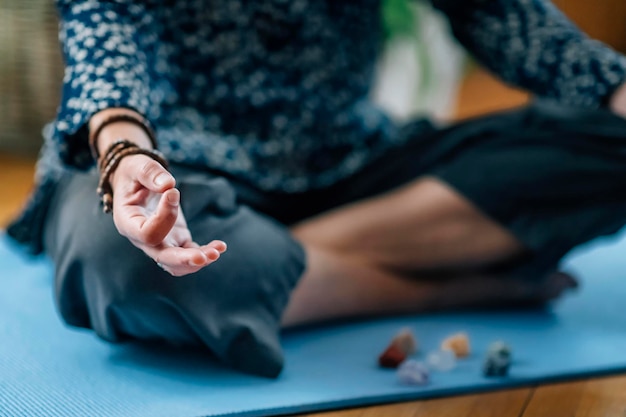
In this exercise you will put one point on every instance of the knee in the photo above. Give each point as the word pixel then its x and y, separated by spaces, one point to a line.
pixel 233 307
pixel 97 270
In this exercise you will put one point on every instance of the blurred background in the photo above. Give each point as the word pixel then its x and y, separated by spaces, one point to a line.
pixel 421 70
pixel 30 72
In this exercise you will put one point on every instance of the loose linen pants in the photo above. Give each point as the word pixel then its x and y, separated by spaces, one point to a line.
pixel 555 177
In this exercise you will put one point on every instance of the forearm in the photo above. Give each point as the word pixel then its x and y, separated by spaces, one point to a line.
pixel 118 130
pixel 618 101
pixel 532 45
pixel 107 70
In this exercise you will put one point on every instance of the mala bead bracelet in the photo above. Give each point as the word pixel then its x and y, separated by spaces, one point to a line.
pixel 113 150
pixel 137 120
pixel 111 160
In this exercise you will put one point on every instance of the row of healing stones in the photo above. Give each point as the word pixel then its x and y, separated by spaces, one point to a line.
pixel 412 372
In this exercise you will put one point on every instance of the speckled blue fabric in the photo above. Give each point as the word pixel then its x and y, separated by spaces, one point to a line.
pixel 276 92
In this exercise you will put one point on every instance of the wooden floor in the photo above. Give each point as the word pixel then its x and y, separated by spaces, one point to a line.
pixel 16 179
pixel 602 397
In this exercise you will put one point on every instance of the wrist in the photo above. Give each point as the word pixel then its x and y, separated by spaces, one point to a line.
pixel 117 157
pixel 122 130
pixel 110 125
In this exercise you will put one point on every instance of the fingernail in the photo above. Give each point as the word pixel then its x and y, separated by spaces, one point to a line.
pixel 172 199
pixel 161 179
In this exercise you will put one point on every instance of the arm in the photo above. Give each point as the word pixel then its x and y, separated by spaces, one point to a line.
pixel 531 44
pixel 106 67
pixel 108 72
pixel 618 101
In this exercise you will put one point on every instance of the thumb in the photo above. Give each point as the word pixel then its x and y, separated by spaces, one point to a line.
pixel 153 175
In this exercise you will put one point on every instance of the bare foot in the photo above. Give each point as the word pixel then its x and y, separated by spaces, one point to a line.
pixel 555 284
pixel 337 288
pixel 500 292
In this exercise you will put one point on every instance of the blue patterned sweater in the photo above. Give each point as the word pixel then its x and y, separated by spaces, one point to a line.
pixel 276 92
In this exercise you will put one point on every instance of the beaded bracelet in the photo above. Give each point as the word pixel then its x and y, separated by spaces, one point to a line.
pixel 129 118
pixel 112 151
pixel 111 160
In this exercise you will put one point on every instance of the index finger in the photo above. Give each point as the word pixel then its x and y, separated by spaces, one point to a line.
pixel 133 223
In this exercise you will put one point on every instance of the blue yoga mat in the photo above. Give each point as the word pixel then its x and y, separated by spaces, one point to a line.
pixel 49 369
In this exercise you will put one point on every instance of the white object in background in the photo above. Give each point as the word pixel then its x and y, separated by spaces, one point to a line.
pixel 432 55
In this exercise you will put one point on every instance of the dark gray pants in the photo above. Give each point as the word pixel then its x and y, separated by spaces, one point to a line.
pixel 233 307
pixel 554 177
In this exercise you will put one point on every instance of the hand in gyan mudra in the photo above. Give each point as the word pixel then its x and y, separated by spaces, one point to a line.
pixel 146 210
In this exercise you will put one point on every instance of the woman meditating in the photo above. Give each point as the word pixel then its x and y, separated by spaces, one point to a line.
pixel 191 126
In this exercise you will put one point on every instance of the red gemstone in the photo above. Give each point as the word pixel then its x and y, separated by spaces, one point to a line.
pixel 392 357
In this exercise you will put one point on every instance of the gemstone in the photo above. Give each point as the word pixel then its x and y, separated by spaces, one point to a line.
pixel 441 360
pixel 402 345
pixel 498 360
pixel 412 372
pixel 405 341
pixel 391 357
pixel 458 343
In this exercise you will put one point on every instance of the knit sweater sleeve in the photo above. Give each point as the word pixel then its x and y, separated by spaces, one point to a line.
pixel 108 48
pixel 531 44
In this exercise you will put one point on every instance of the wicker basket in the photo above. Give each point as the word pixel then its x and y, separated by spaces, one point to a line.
pixel 30 72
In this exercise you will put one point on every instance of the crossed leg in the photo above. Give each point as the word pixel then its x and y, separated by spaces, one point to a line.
pixel 366 258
